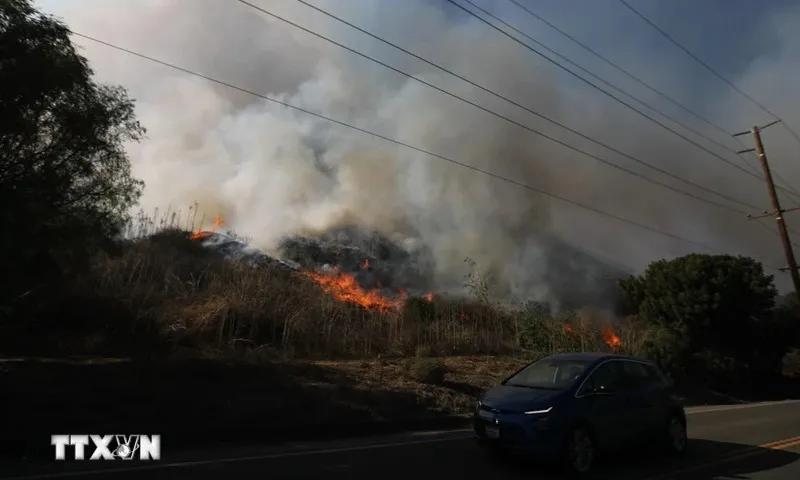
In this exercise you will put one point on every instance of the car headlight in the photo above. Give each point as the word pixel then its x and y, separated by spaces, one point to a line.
pixel 538 412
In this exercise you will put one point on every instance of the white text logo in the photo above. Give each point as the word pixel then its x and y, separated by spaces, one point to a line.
pixel 108 447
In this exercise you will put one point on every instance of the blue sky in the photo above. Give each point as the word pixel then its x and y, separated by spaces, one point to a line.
pixel 726 32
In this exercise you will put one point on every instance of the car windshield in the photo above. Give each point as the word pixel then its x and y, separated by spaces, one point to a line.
pixel 549 374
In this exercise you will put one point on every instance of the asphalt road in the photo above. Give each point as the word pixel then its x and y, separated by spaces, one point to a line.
pixel 753 441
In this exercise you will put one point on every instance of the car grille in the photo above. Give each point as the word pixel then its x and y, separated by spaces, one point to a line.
pixel 509 432
pixel 512 433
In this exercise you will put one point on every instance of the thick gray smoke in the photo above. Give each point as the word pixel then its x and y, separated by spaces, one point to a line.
pixel 271 172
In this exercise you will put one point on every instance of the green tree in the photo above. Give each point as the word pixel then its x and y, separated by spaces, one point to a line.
pixel 781 336
pixel 718 310
pixel 65 179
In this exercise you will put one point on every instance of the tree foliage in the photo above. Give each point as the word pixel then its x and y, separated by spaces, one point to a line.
pixel 65 179
pixel 717 313
pixel 711 298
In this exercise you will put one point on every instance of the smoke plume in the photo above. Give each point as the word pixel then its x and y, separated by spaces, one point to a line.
pixel 270 171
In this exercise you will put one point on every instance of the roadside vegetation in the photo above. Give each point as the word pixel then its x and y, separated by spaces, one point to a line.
pixel 189 335
pixel 167 294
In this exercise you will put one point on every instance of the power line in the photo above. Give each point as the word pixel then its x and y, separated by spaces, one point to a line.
pixel 404 144
pixel 584 80
pixel 514 122
pixel 418 57
pixel 637 79
pixel 619 68
pixel 709 68
pixel 760 222
pixel 683 192
pixel 654 90
pixel 753 173
pixel 527 109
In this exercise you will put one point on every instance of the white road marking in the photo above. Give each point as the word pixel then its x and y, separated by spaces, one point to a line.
pixel 352 448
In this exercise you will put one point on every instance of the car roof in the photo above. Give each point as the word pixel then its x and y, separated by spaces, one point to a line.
pixel 592 356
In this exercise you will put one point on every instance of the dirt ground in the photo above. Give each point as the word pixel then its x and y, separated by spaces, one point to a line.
pixel 194 399
pixel 202 400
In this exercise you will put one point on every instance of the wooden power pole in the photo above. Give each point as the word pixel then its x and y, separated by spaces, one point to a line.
pixel 777 212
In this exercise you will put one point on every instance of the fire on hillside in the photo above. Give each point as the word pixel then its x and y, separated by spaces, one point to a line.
pixel 201 234
pixel 340 265
pixel 344 287
pixel 607 334
pixel 353 266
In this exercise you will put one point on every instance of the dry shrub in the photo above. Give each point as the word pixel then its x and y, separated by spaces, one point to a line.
pixel 791 364
pixel 428 370
pixel 166 291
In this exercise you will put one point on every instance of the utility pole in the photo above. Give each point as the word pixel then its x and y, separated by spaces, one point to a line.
pixel 777 212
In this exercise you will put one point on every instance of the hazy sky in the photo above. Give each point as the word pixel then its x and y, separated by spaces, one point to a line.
pixel 260 165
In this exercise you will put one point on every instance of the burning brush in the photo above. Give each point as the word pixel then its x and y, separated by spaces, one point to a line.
pixel 201 234
pixel 607 334
pixel 376 284
pixel 345 288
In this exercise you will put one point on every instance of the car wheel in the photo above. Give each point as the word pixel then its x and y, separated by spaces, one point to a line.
pixel 580 452
pixel 676 438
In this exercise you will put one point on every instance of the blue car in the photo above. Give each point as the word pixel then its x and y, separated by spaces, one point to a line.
pixel 572 407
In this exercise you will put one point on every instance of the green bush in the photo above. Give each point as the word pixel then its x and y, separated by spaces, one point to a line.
pixel 531 324
pixel 669 350
pixel 713 317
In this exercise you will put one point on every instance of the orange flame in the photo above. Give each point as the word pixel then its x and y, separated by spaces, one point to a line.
pixel 343 287
pixel 365 266
pixel 611 338
pixel 429 296
pixel 569 329
pixel 201 234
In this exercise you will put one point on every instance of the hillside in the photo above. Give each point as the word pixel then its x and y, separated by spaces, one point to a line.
pixel 573 278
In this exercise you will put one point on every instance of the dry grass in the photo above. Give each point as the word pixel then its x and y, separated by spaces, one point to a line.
pixel 167 293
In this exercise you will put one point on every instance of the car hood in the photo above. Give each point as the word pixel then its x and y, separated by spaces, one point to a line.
pixel 518 399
